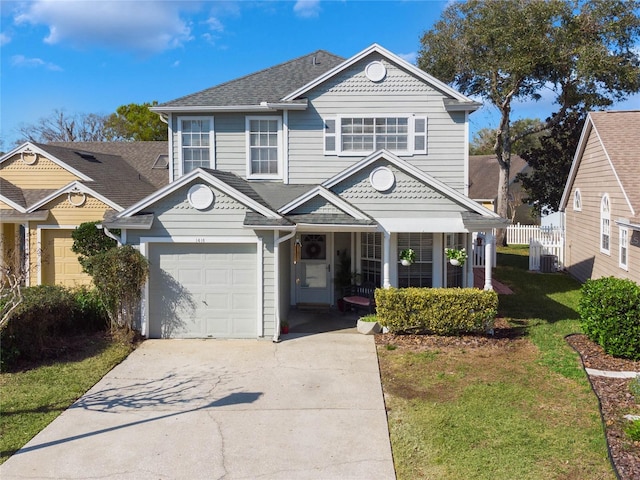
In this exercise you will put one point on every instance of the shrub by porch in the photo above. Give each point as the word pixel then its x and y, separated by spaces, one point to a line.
pixel 441 311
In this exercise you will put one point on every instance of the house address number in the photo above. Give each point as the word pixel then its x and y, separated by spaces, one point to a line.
pixel 201 240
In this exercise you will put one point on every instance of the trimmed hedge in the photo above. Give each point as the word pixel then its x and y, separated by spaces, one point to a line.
pixel 610 315
pixel 46 314
pixel 441 311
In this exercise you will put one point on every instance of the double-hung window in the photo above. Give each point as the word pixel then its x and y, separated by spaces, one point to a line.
pixel 264 147
pixel 605 225
pixel 624 248
pixel 358 135
pixel 196 143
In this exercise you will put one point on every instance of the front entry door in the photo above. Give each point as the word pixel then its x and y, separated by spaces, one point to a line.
pixel 313 283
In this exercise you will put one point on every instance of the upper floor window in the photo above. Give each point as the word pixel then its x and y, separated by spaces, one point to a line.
pixel 264 147
pixel 357 135
pixel 624 248
pixel 605 224
pixel 577 201
pixel 196 142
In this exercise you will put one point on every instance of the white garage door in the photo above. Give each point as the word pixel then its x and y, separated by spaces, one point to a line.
pixel 203 290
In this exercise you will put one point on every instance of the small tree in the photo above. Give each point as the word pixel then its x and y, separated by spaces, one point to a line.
pixel 13 274
pixel 119 275
pixel 89 241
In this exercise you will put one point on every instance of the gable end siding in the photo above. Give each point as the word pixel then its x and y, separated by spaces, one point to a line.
pixel 352 93
pixel 43 174
pixel 595 178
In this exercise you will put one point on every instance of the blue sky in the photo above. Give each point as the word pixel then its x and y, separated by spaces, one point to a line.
pixel 92 56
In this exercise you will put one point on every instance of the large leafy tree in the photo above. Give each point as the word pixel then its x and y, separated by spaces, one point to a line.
pixel 582 51
pixel 485 138
pixel 136 122
pixel 551 162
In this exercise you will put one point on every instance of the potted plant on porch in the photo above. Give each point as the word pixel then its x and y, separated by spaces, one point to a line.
pixel 407 256
pixel 456 257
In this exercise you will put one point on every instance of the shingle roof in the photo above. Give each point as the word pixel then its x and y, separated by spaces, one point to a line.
pixel 12 192
pixel 113 178
pixel 140 155
pixel 269 85
pixel 483 175
pixel 619 132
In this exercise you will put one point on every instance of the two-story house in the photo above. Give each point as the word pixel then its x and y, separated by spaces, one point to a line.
pixel 47 190
pixel 278 175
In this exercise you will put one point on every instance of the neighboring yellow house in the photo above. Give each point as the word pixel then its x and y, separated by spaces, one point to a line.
pixel 47 190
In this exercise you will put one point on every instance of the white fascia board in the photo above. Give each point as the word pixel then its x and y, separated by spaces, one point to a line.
pixel 44 153
pixel 75 186
pixel 202 175
pixel 416 172
pixel 276 228
pixel 423 225
pixel 624 222
pixel 12 204
pixel 331 227
pixel 575 164
pixel 375 48
pixel 262 107
pixel 330 197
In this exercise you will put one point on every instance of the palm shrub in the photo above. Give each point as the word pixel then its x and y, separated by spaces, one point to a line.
pixel 610 315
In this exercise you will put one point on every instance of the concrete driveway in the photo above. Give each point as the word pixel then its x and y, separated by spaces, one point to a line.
pixel 310 407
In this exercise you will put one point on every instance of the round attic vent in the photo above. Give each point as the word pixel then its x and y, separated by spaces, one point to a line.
pixel 200 196
pixel 382 179
pixel 375 71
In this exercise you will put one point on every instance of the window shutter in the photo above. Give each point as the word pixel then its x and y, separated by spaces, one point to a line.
pixel 420 135
pixel 330 136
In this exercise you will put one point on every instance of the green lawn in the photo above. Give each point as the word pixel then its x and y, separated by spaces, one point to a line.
pixel 31 398
pixel 519 408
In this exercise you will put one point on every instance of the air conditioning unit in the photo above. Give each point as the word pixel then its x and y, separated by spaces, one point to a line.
pixel 548 263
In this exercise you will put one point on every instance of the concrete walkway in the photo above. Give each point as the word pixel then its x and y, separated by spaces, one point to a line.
pixel 310 407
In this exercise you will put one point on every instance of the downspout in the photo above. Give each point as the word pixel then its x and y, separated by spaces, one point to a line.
pixel 276 270
pixel 113 236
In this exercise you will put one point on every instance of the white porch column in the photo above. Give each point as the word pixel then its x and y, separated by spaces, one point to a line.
pixel 468 266
pixel 488 260
pixel 386 259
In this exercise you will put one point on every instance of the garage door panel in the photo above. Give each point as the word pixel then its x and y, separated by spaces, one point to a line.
pixel 203 290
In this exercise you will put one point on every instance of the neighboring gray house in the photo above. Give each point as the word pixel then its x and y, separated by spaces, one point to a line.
pixel 277 176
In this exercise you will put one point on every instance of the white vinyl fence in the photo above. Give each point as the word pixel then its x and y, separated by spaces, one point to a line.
pixel 523 234
pixel 546 257
pixel 478 253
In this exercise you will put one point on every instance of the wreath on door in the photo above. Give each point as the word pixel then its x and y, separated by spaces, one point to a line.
pixel 313 249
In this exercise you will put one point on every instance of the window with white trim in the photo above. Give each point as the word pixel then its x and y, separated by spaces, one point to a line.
pixel 196 143
pixel 624 248
pixel 577 200
pixel 605 225
pixel 371 257
pixel 420 272
pixel 361 135
pixel 264 147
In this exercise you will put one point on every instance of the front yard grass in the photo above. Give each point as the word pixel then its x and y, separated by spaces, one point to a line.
pixel 519 408
pixel 32 398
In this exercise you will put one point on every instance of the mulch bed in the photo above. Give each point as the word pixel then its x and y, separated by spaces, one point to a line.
pixel 613 394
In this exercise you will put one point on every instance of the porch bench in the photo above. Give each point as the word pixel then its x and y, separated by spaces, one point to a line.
pixel 360 296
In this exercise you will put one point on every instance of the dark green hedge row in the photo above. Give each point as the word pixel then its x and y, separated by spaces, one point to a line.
pixel 441 311
pixel 47 313
pixel 610 315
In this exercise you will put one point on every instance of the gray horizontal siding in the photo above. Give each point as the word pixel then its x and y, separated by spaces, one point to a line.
pixel 352 93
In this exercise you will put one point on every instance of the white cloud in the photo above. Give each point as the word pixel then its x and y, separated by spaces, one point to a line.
pixel 175 64
pixel 24 62
pixel 409 57
pixel 215 25
pixel 307 8
pixel 4 39
pixel 149 27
